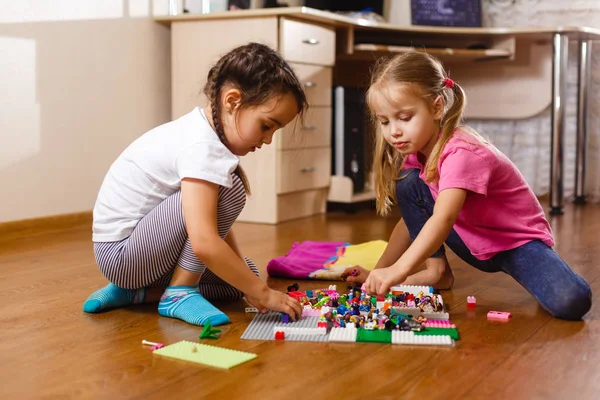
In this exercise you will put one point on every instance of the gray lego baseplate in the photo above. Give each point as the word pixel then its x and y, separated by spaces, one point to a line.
pixel 264 326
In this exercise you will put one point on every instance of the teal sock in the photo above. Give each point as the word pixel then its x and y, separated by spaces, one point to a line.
pixel 187 304
pixel 112 296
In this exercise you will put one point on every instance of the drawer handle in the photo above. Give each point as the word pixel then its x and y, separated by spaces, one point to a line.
pixel 310 84
pixel 309 128
pixel 307 170
pixel 311 41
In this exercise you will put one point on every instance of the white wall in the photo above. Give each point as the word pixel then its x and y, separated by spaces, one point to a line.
pixel 79 80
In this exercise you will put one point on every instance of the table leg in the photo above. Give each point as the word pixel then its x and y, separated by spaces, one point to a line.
pixel 584 82
pixel 559 92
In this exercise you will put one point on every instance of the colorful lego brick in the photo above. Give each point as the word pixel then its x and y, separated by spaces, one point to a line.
pixel 436 315
pixel 285 318
pixel 438 324
pixel 441 322
pixel 364 335
pixel 416 311
pixel 300 330
pixel 297 295
pixel 307 338
pixel 279 335
pixel 310 312
pixel 414 289
pixel 498 316
pixel 471 301
pixel 205 354
pixel 321 302
pixel 347 334
pixel 452 332
pixel 251 310
pixel 408 337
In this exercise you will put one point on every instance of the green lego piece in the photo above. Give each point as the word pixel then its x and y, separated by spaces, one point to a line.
pixel 208 332
pixel 452 332
pixel 374 336
pixel 321 302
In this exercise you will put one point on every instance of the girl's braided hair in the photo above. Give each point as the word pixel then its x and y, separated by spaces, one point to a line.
pixel 259 73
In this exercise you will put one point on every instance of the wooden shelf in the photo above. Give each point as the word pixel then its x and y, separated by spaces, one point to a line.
pixel 369 52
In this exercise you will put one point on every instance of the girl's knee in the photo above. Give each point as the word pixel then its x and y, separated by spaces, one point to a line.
pixel 408 184
pixel 573 305
pixel 408 177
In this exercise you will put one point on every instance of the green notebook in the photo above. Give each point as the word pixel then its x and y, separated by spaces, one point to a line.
pixel 205 354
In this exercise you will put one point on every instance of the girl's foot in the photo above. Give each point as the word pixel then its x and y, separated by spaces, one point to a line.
pixel 112 296
pixel 187 304
pixel 447 279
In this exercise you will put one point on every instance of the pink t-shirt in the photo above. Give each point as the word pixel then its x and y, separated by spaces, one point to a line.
pixel 500 211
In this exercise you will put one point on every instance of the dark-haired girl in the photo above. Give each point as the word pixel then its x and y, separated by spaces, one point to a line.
pixel 165 208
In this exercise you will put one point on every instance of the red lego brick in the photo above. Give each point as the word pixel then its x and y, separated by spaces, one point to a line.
pixel 297 295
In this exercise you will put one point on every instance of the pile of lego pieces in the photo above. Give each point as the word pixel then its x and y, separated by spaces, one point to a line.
pixel 408 315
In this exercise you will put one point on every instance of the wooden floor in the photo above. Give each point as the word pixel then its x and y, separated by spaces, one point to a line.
pixel 49 348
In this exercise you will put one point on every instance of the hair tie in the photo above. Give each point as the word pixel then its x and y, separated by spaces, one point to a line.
pixel 449 83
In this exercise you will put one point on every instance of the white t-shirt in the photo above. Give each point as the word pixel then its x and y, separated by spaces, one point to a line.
pixel 151 169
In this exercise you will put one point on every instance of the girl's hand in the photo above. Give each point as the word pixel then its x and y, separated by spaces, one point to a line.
pixel 381 280
pixel 277 301
pixel 356 274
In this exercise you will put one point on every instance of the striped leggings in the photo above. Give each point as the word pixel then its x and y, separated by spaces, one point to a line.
pixel 159 242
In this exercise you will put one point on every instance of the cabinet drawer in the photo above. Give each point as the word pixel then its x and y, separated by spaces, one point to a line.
pixel 317 83
pixel 303 169
pixel 315 132
pixel 307 43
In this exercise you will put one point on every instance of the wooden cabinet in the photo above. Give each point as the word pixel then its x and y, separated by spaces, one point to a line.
pixel 290 178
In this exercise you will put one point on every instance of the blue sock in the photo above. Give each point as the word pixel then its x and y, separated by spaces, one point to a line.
pixel 112 296
pixel 187 304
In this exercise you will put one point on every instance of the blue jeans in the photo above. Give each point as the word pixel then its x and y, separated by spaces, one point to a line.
pixel 559 290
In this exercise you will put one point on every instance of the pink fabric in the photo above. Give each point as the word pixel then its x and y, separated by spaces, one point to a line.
pixel 501 211
pixel 304 258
